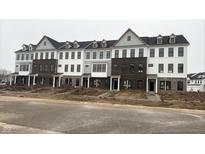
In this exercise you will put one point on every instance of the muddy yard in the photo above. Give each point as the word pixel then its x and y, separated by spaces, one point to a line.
pixel 188 100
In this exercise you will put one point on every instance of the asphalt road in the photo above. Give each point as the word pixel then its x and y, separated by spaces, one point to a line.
pixel 21 115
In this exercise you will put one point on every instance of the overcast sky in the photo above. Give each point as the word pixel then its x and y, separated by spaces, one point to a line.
pixel 14 33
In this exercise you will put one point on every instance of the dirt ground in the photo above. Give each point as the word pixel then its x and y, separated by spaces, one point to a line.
pixel 188 100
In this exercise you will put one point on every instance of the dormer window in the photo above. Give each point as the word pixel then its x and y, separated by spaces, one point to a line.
pixel 24 47
pixel 104 44
pixel 95 45
pixel 76 45
pixel 172 38
pixel 159 39
pixel 30 47
pixel 67 45
pixel 128 38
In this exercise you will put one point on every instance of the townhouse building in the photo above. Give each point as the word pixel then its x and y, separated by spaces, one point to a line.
pixel 196 82
pixel 151 64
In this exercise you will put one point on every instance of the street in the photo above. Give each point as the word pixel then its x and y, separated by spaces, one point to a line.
pixel 27 115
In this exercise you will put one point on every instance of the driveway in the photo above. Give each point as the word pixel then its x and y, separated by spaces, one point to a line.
pixel 24 115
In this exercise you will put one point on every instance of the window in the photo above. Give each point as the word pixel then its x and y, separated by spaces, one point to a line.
pixel 94 55
pixel 152 53
pixel 150 65
pixel 172 40
pixel 41 68
pixel 52 55
pixel 27 56
pixel 170 68
pixel 159 40
pixel 44 43
pixel 22 57
pixel 179 85
pixel 72 68
pixel 24 67
pixel 46 68
pixel 41 55
pixel 140 67
pixel 61 55
pixel 79 55
pixel 124 53
pixel 17 57
pixel 101 55
pixel 78 68
pixel 171 52
pixel 132 68
pixel 47 55
pixel 132 53
pixel 180 51
pixel 52 68
pixel 161 52
pixel 108 54
pixel 161 68
pixel 66 55
pixel 36 56
pixel 116 53
pixel 87 55
pixel 128 38
pixel 141 52
pixel 66 68
pixel 32 56
pixel 162 85
pixel 180 68
pixel 72 55
pixel 168 85
pixel 95 45
pixel 99 67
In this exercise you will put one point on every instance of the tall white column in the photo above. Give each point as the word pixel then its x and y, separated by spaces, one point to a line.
pixel 59 81
pixel 10 80
pixel 54 80
pixel 88 81
pixel 118 84
pixel 156 86
pixel 15 79
pixel 34 80
pixel 29 77
pixel 110 83
pixel 81 81
pixel 147 84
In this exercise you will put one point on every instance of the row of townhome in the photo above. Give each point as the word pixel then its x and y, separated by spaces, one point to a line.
pixel 150 64
pixel 196 82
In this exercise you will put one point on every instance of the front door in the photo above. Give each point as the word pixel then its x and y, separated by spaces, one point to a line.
pixel 151 85
pixel 115 84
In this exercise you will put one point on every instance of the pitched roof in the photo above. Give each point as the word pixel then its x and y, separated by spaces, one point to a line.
pixel 180 39
pixel 82 44
pixel 99 44
pixel 197 76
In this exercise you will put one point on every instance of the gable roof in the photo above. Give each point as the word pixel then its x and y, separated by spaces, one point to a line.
pixel 126 33
pixel 82 44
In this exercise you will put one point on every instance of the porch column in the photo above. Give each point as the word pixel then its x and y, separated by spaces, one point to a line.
pixel 10 80
pixel 88 81
pixel 118 84
pixel 54 80
pixel 34 80
pixel 156 86
pixel 110 83
pixel 147 84
pixel 15 79
pixel 59 81
pixel 29 77
pixel 81 81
